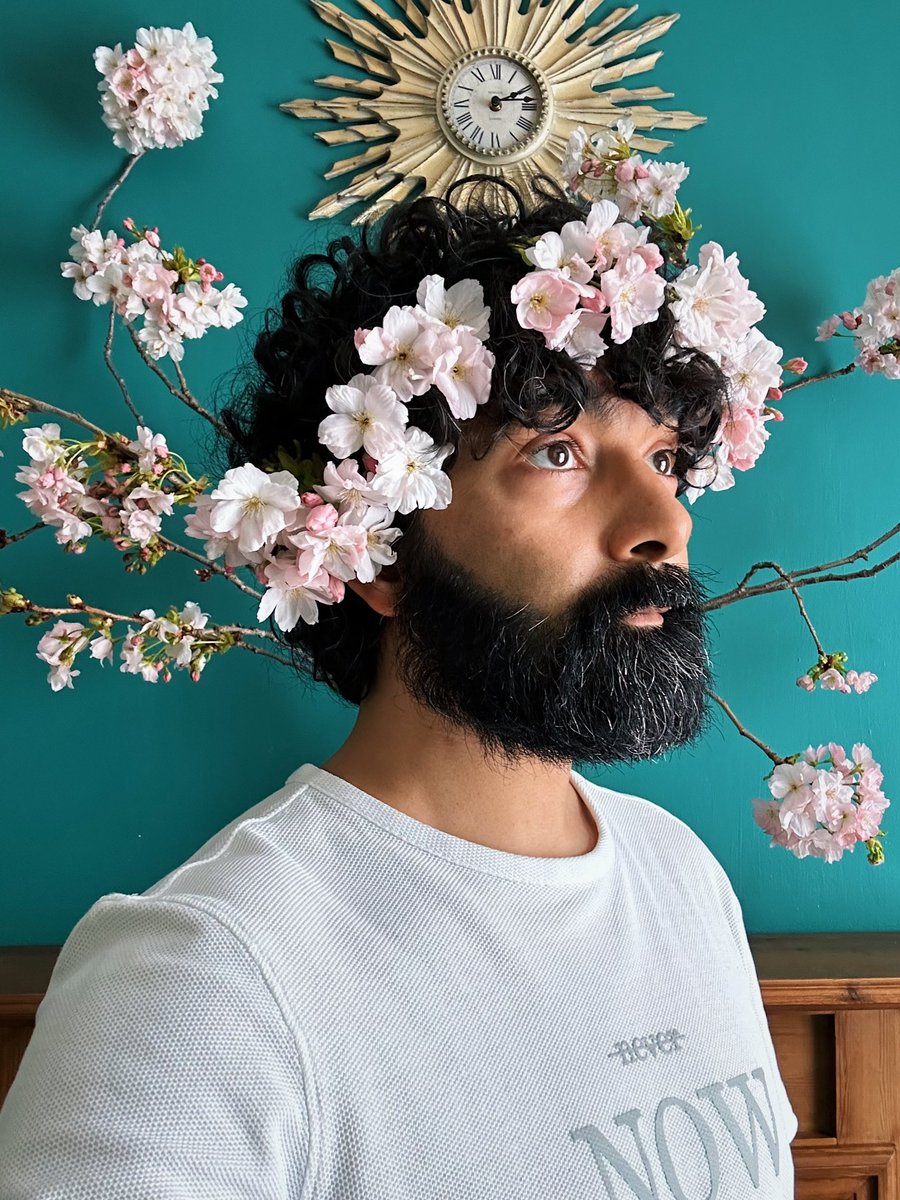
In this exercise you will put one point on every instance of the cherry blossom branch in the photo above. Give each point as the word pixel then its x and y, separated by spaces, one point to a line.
pixel 183 393
pixel 19 402
pixel 44 612
pixel 744 732
pixel 12 602
pixel 792 580
pixel 116 184
pixel 817 378
pixel 107 356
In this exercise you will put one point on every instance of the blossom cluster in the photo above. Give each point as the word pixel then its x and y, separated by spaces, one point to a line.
pixel 61 494
pixel 716 311
pixel 178 636
pixel 305 546
pixel 823 803
pixel 830 672
pixel 155 93
pixel 604 167
pixel 605 269
pixel 559 298
pixel 173 294
pixel 875 326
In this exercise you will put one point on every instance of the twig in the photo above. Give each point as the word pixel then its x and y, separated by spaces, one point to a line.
pixel 117 183
pixel 862 553
pixel 183 393
pixel 43 610
pixel 285 662
pixel 816 378
pixel 6 539
pixel 803 613
pixel 154 366
pixel 746 732
pixel 107 357
pixel 210 566
pixel 790 579
pixel 17 398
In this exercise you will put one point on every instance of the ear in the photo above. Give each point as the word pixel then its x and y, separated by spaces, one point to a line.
pixel 381 594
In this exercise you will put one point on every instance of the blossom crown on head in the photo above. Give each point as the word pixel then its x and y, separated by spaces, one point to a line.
pixel 593 279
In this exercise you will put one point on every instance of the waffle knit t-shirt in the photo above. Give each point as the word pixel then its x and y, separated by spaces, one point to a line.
pixel 331 1000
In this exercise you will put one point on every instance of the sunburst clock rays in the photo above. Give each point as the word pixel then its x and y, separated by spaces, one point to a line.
pixel 450 91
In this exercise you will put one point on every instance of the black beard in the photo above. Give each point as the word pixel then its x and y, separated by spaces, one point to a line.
pixel 579 686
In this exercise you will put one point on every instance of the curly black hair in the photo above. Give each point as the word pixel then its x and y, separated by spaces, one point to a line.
pixel 276 408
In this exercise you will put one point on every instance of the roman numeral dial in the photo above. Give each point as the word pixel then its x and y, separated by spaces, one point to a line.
pixel 494 104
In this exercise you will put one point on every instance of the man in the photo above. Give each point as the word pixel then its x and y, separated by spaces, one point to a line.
pixel 445 963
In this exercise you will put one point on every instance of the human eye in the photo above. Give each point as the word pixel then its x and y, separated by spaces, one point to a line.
pixel 561 453
pixel 670 455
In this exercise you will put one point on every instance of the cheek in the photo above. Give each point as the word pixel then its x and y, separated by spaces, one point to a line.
pixel 519 555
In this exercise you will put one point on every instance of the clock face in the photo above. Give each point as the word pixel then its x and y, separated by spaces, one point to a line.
pixel 494 104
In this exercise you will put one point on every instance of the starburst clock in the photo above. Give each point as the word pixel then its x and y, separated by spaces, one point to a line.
pixel 493 89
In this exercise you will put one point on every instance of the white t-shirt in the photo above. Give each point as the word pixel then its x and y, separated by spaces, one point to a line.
pixel 331 1000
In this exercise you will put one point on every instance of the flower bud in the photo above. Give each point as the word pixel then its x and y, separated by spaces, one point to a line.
pixel 796 365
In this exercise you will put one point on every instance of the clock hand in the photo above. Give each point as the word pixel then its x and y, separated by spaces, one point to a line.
pixel 513 95
pixel 496 101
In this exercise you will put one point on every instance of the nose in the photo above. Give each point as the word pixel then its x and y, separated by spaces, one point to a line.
pixel 648 522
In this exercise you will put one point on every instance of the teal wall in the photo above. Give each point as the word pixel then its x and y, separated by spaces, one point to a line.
pixel 109 786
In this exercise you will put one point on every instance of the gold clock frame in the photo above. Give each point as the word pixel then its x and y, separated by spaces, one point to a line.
pixel 397 106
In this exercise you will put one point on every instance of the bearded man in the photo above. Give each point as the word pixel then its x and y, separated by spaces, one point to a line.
pixel 443 963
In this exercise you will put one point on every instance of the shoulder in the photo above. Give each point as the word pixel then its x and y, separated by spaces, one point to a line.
pixel 636 821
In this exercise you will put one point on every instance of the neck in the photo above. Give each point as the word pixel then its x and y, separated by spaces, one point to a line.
pixel 412 759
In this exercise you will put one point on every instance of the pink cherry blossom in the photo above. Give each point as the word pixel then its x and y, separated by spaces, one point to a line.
pixel 409 474
pixel 346 488
pixel 579 336
pixel 827 329
pixel 796 365
pixel 293 595
pixel 569 252
pixel 543 299
pixel 860 681
pixel 338 548
pixel 380 536
pixel 634 293
pixel 832 680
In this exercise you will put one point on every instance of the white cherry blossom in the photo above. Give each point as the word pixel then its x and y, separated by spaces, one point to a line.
pixel 461 304
pixel 365 411
pixel 409 473
pixel 252 506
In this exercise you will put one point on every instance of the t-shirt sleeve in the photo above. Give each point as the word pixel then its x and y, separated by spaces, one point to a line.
pixel 735 917
pixel 161 1067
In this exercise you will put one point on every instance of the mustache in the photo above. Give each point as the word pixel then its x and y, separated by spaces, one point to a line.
pixel 626 589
